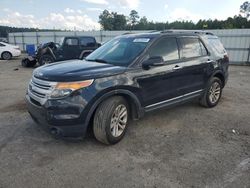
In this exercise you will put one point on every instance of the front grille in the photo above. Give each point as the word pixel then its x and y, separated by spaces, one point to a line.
pixel 39 90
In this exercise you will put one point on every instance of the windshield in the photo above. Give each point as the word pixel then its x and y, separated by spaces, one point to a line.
pixel 119 51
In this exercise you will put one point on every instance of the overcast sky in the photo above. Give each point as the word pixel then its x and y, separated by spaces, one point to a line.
pixel 83 14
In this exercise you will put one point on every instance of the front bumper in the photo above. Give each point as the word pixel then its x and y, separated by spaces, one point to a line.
pixel 66 128
pixel 16 53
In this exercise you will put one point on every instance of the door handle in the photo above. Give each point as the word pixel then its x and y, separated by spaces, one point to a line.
pixel 177 67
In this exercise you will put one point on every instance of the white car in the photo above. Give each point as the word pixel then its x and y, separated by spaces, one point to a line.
pixel 7 51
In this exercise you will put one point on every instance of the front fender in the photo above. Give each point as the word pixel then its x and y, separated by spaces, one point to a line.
pixel 123 92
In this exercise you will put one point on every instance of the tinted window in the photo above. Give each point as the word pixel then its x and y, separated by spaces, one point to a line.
pixel 216 44
pixel 71 42
pixel 191 47
pixel 87 42
pixel 166 48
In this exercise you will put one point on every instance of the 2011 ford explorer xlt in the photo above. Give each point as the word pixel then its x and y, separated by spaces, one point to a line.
pixel 123 79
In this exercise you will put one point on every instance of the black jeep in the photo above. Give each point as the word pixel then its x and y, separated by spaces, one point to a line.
pixel 73 47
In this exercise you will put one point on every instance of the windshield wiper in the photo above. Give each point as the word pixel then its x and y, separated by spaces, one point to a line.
pixel 97 60
pixel 101 60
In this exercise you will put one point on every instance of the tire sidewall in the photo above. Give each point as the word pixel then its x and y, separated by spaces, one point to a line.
pixel 10 56
pixel 24 63
pixel 111 139
pixel 213 80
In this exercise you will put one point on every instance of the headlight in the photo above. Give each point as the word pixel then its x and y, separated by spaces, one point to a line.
pixel 63 89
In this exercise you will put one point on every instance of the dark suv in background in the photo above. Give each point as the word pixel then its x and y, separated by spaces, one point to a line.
pixel 125 78
pixel 70 47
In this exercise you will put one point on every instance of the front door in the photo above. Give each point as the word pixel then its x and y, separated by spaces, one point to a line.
pixel 70 48
pixel 160 84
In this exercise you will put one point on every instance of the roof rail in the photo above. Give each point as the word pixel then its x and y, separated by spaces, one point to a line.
pixel 127 33
pixel 188 31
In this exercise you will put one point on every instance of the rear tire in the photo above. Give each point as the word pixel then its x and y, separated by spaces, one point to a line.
pixel 111 120
pixel 212 93
pixel 6 56
pixel 46 59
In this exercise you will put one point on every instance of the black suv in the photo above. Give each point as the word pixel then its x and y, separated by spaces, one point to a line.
pixel 125 78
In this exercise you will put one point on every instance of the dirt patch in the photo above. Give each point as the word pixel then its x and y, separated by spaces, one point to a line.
pixel 18 106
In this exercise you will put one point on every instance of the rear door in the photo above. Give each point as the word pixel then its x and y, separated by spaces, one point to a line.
pixel 194 64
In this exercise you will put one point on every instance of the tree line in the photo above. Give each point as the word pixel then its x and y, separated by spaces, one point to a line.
pixel 115 21
pixel 4 30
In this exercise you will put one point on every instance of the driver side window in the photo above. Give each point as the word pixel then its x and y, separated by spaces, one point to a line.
pixel 71 42
pixel 166 48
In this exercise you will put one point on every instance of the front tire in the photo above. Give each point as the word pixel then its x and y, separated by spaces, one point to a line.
pixel 212 93
pixel 6 56
pixel 111 120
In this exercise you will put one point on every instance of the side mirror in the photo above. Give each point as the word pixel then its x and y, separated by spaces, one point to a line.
pixel 153 61
pixel 99 44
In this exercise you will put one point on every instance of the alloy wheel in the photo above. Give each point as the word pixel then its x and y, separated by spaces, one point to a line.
pixel 6 56
pixel 214 92
pixel 119 120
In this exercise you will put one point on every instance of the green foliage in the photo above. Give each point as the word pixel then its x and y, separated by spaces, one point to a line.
pixel 245 9
pixel 112 21
pixel 108 21
pixel 133 17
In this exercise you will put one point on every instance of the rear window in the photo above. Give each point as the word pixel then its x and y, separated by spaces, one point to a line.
pixel 87 42
pixel 216 44
pixel 191 47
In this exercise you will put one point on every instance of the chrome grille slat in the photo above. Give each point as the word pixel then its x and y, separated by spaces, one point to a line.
pixel 40 86
pixel 38 94
pixel 39 90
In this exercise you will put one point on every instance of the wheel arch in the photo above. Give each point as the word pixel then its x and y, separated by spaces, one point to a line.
pixel 5 52
pixel 133 101
pixel 220 75
pixel 47 51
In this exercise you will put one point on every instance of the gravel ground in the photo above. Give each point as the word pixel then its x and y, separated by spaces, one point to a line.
pixel 186 146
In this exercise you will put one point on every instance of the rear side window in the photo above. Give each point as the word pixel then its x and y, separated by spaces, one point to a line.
pixel 191 47
pixel 166 48
pixel 87 42
pixel 216 44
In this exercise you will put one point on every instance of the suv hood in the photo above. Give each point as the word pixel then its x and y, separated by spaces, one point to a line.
pixel 76 70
